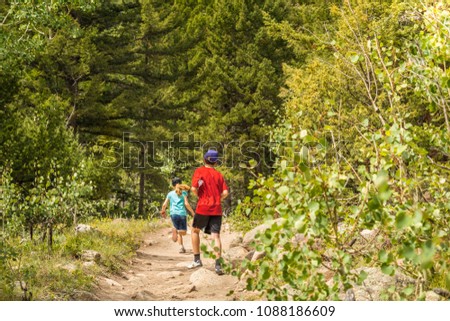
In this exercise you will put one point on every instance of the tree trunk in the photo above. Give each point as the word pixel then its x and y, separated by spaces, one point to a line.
pixel 75 218
pixel 141 183
pixel 50 237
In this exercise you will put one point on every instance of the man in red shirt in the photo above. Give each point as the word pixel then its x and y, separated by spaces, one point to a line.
pixel 210 187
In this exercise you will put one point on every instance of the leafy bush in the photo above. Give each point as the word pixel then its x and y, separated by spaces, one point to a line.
pixel 352 161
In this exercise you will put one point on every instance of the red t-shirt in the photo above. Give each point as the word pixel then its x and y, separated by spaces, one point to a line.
pixel 210 185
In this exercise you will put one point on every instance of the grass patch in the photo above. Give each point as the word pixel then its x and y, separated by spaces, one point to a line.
pixel 29 271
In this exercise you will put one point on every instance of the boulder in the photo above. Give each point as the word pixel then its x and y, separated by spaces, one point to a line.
pixel 204 278
pixel 236 255
pixel 237 241
pixel 83 228
pixel 249 237
pixel 90 255
pixel 378 283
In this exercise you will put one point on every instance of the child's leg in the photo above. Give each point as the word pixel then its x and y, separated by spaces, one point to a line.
pixel 180 240
pixel 182 228
pixel 180 237
pixel 174 234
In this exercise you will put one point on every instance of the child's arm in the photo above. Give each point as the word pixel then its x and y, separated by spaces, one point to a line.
pixel 188 206
pixel 194 191
pixel 163 210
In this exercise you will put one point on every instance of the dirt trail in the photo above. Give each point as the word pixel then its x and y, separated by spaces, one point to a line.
pixel 159 272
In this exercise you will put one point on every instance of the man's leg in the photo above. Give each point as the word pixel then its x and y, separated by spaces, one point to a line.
pixel 199 222
pixel 217 245
pixel 216 225
pixel 195 237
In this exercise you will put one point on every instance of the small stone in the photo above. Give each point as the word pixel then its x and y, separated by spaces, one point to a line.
pixel 299 239
pixel 89 264
pixel 90 255
pixel 69 267
pixel 113 283
pixel 169 275
pixel 237 241
pixel 432 296
pixel 350 295
pixel 258 255
pixel 79 295
pixel 250 255
pixel 368 234
pixel 83 228
pixel 20 285
pixel 143 296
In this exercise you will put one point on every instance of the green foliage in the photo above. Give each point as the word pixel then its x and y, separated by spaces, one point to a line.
pixel 356 158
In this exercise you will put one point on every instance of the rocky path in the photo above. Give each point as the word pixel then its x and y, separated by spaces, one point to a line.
pixel 159 272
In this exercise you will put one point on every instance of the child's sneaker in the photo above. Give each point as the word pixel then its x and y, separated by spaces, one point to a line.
pixel 182 250
pixel 195 264
pixel 174 235
pixel 219 270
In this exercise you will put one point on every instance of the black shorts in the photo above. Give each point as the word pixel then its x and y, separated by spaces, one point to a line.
pixel 208 223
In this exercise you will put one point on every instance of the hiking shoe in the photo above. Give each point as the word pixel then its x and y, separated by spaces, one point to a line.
pixel 182 250
pixel 174 235
pixel 219 270
pixel 195 264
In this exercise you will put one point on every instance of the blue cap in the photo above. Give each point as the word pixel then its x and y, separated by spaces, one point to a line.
pixel 211 156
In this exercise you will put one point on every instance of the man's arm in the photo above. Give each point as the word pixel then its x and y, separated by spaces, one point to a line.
pixel 163 210
pixel 224 195
pixel 196 182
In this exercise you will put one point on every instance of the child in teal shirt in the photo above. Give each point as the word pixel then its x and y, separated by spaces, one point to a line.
pixel 178 204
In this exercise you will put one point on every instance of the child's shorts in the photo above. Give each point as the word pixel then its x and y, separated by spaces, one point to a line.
pixel 179 222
